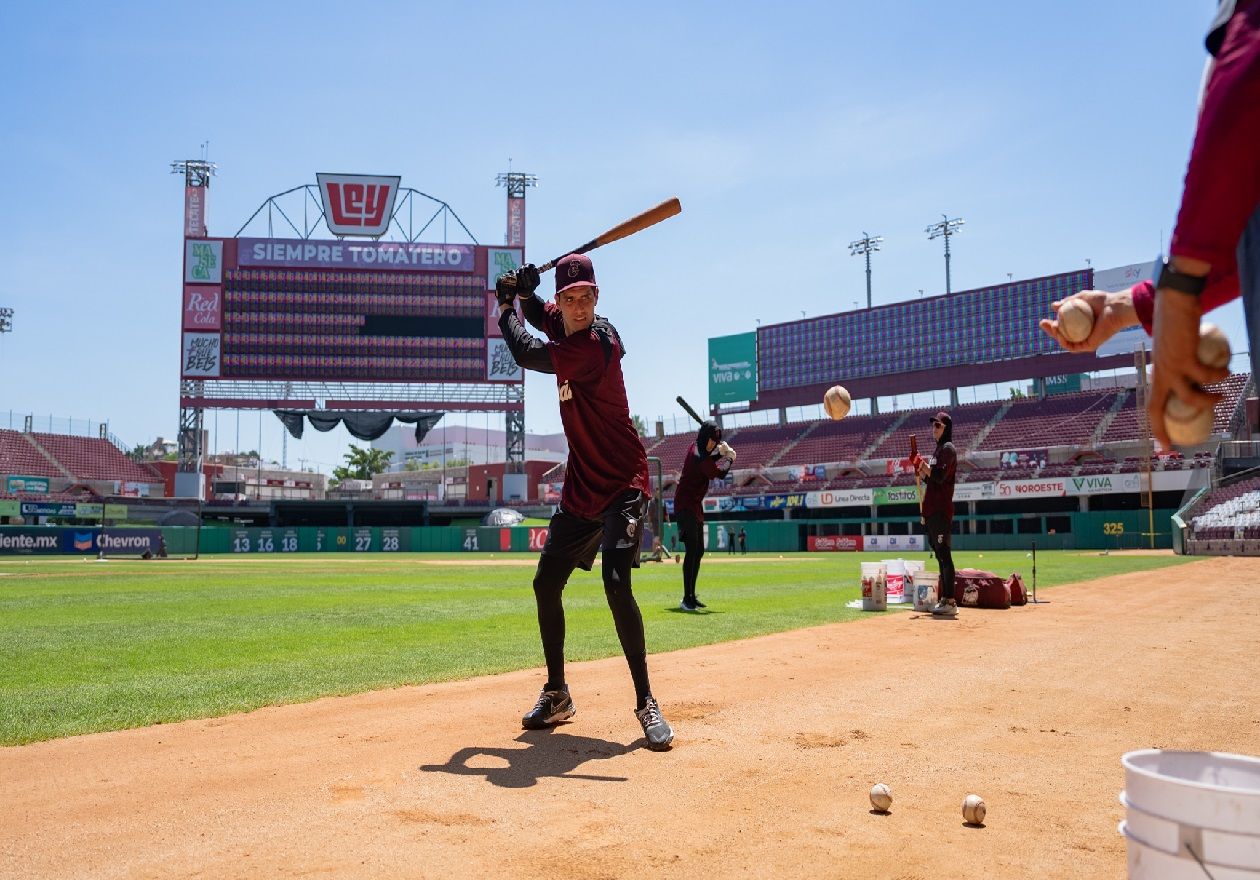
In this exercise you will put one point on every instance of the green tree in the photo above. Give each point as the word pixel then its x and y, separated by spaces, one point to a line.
pixel 362 463
pixel 639 425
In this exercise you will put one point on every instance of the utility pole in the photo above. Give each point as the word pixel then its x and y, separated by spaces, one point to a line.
pixel 945 228
pixel 865 246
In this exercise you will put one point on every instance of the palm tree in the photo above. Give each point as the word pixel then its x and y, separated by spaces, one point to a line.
pixel 362 463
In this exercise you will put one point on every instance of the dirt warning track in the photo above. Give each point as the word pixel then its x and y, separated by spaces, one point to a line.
pixel 778 741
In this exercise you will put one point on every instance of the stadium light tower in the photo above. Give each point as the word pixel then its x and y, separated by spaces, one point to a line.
pixel 944 229
pixel 866 245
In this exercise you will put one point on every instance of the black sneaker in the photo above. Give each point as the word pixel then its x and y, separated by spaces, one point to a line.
pixel 687 605
pixel 657 730
pixel 696 601
pixel 552 707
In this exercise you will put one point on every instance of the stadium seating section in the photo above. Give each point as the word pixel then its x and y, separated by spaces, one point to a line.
pixel 1094 422
pixel 1228 512
pixel 69 457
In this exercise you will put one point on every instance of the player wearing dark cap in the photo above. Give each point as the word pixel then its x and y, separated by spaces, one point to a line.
pixel 606 486
pixel 938 508
pixel 708 458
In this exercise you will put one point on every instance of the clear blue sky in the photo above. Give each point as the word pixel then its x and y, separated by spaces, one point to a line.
pixel 1058 131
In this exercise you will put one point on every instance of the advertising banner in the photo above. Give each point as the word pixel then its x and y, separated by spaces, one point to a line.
pixel 904 543
pixel 202 307
pixel 1104 484
pixel 194 212
pixel 984 491
pixel 1031 489
pixel 1023 459
pixel 378 256
pixel 203 262
pixel 733 368
pixel 15 484
pixel 841 543
pixel 896 495
pixel 358 204
pixel 19 540
pixel 48 508
pixel 10 508
pixel 840 498
pixel 202 355
pixel 516 221
pixel 500 365
pixel 1063 384
pixel 500 261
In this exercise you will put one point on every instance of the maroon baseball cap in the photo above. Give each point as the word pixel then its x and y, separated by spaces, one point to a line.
pixel 942 417
pixel 574 270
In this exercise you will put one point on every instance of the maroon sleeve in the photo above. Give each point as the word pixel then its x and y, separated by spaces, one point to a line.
pixel 1222 186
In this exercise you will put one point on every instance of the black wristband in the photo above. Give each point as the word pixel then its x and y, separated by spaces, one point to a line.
pixel 1171 279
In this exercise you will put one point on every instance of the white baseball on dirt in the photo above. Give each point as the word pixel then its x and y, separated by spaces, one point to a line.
pixel 881 797
pixel 837 402
pixel 974 809
pixel 1076 320
pixel 1185 425
pixel 1214 348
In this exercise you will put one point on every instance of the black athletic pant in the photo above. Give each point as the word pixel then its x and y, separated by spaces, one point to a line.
pixel 572 542
pixel 939 527
pixel 691 533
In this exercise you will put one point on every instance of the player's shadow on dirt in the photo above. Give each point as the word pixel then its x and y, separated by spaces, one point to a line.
pixel 549 754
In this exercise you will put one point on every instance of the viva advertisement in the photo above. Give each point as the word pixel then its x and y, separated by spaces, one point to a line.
pixel 733 368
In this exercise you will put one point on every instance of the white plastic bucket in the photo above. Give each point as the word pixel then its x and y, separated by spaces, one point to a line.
pixel 1149 863
pixel 874 587
pixel 913 569
pixel 1203 789
pixel 1213 847
pixel 896 578
pixel 925 583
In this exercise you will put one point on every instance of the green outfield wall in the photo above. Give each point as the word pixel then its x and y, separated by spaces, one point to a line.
pixel 1104 530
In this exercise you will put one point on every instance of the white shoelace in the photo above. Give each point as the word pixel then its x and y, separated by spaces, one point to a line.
pixel 651 714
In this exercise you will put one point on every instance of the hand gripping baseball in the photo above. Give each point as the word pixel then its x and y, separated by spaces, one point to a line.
pixel 724 450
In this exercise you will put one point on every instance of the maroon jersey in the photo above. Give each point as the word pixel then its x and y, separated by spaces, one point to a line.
pixel 606 456
pixel 939 497
pixel 697 470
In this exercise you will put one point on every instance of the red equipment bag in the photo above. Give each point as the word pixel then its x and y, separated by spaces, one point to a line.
pixel 1019 594
pixel 976 588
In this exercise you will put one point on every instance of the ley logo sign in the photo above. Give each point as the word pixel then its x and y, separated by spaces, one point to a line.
pixel 358 204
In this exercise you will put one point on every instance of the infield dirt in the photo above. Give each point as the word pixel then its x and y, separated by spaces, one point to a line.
pixel 779 740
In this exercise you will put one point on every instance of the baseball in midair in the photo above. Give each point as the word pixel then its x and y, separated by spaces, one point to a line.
pixel 1213 347
pixel 1076 319
pixel 973 809
pixel 881 797
pixel 1185 425
pixel 837 402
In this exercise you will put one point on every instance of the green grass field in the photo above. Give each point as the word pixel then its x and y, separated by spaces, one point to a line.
pixel 88 646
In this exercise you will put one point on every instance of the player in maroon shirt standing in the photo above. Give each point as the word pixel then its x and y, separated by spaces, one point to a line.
pixel 708 458
pixel 606 486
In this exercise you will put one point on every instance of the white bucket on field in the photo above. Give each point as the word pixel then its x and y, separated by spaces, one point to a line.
pixel 925 584
pixel 913 569
pixel 1190 811
pixel 874 587
pixel 895 572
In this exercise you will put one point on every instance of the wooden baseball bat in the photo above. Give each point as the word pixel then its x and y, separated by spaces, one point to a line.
pixel 663 211
pixel 914 454
pixel 691 412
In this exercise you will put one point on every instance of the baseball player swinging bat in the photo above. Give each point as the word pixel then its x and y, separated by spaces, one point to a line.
pixel 651 217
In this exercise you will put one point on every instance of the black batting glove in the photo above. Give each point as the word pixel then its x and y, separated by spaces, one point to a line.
pixel 527 279
pixel 505 289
